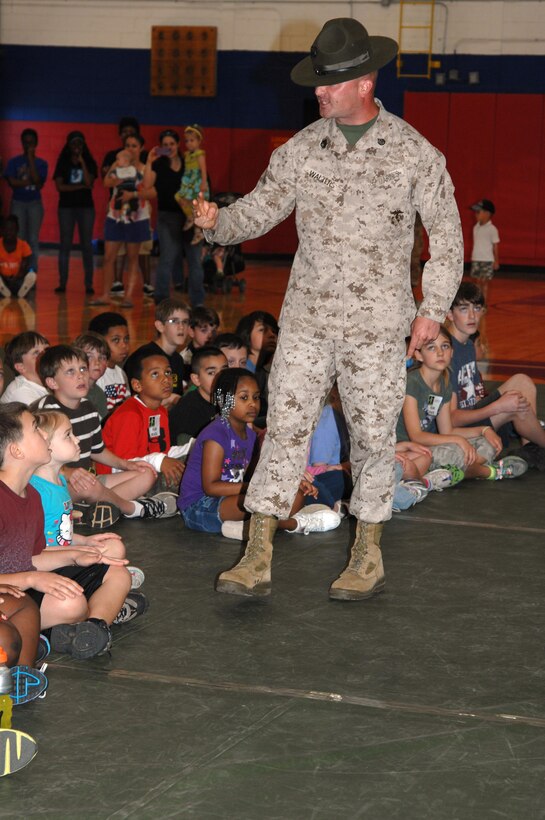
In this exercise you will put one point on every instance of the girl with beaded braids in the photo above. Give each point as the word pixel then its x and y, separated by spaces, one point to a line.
pixel 220 464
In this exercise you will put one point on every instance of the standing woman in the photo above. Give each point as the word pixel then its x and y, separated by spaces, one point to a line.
pixel 163 175
pixel 75 174
pixel 26 175
pixel 128 218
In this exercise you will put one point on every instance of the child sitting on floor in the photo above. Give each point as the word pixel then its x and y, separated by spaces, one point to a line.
pixel 233 348
pixel 16 279
pixel 97 351
pixel 22 353
pixel 79 591
pixel 64 370
pixel 216 478
pixel 19 631
pixel 203 329
pixel 172 320
pixel 510 408
pixel 425 419
pixel 113 327
pixel 58 506
pixel 139 428
pixel 196 409
pixel 328 466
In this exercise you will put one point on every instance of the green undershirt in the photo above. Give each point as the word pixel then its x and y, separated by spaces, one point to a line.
pixel 352 133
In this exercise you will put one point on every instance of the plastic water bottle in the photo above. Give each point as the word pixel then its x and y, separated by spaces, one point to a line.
pixel 6 686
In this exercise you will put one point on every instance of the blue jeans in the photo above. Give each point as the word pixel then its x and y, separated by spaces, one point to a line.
pixel 403 498
pixel 330 487
pixel 30 216
pixel 85 219
pixel 169 232
pixel 173 249
pixel 195 273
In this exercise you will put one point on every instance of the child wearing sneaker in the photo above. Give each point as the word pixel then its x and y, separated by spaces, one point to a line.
pixel 426 419
pixel 79 591
pixel 513 403
pixel 56 501
pixel 216 478
pixel 19 631
pixel 15 277
pixel 64 370
pixel 139 428
pixel 22 353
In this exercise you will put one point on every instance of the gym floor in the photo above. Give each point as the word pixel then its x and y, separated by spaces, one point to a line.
pixel 425 702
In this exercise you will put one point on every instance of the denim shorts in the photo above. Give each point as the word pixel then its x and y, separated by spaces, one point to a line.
pixel 126 231
pixel 203 514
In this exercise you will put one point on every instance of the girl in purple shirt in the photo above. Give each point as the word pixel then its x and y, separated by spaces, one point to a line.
pixel 216 476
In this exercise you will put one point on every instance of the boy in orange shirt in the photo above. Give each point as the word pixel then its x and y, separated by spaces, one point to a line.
pixel 15 253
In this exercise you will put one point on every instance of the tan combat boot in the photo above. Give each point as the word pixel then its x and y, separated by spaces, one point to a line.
pixel 364 574
pixel 252 575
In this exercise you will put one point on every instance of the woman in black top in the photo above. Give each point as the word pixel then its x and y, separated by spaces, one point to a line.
pixel 163 175
pixel 75 174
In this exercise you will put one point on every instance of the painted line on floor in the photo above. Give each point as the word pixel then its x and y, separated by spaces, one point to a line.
pixel 477 524
pixel 329 697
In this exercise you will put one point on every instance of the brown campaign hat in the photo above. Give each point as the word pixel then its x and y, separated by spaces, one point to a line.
pixel 342 51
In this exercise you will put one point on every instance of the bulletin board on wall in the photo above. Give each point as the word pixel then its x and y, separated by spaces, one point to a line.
pixel 183 61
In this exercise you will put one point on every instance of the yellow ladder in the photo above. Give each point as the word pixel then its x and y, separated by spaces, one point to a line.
pixel 416 19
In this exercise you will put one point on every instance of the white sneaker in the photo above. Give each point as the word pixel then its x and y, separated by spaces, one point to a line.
pixel 4 290
pixel 416 489
pixel 28 282
pixel 137 577
pixel 238 530
pixel 310 519
pixel 160 505
pixel 442 478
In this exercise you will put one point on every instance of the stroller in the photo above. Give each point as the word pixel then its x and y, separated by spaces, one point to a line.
pixel 222 264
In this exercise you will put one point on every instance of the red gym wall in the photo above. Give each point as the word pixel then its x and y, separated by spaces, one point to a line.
pixel 494 144
pixel 495 148
pixel 236 158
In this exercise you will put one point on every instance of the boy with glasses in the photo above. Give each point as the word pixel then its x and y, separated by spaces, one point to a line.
pixel 172 323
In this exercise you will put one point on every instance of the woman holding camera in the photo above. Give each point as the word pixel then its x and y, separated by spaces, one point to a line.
pixel 163 174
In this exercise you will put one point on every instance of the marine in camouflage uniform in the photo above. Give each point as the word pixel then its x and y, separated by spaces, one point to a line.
pixel 347 310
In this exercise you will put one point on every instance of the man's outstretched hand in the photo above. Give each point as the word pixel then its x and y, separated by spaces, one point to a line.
pixel 422 331
pixel 205 213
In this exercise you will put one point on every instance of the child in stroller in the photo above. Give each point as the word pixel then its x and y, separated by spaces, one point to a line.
pixel 222 264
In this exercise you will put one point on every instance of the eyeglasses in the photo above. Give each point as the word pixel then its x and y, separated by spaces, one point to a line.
pixel 177 322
